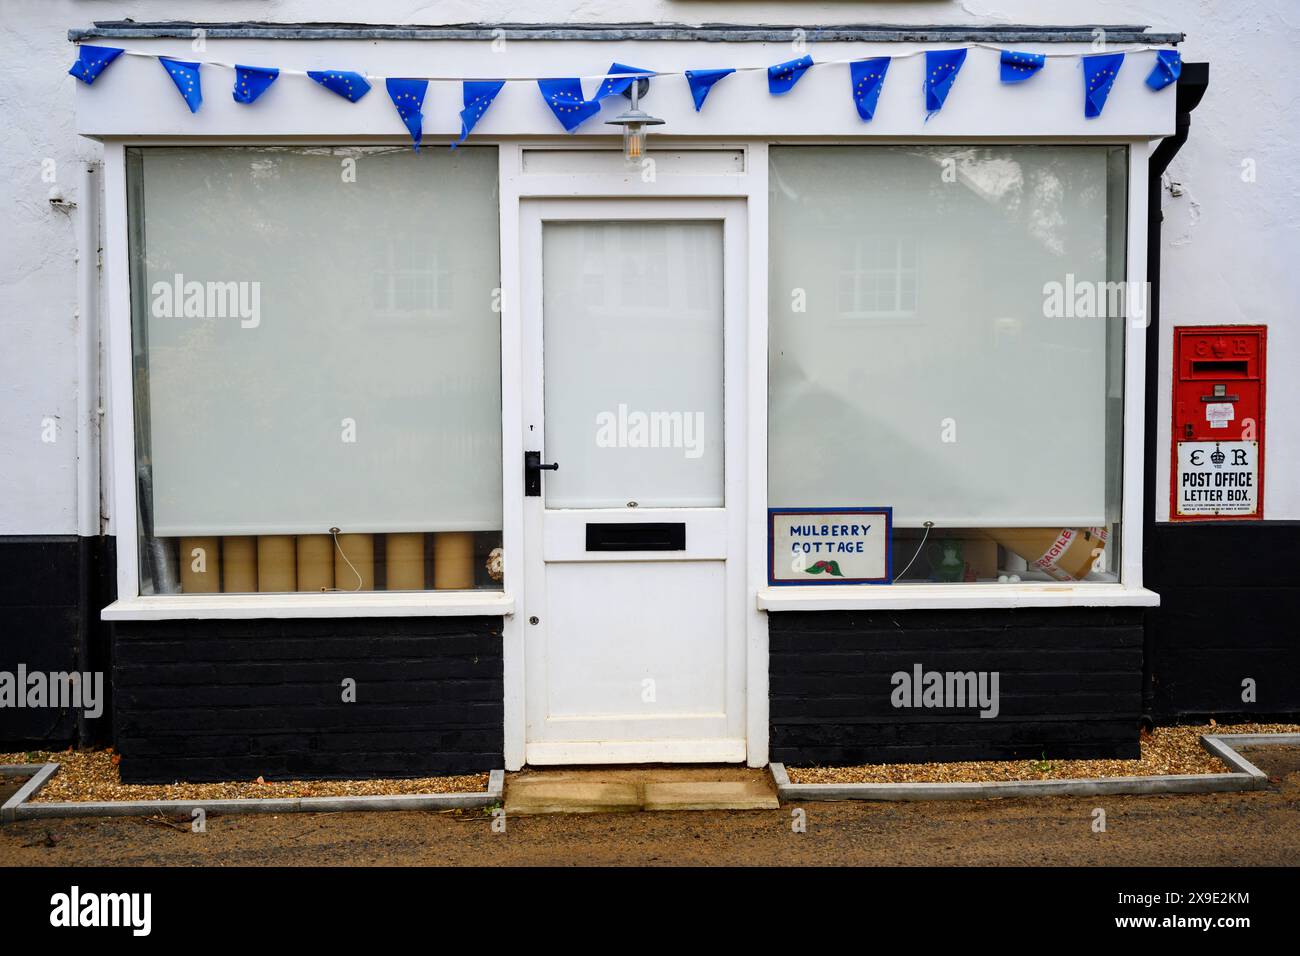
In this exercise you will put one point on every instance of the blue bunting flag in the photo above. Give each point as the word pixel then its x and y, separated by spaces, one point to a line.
pixel 1099 74
pixel 350 86
pixel 868 78
pixel 92 61
pixel 1018 67
pixel 614 85
pixel 186 77
pixel 564 97
pixel 252 81
pixel 782 77
pixel 408 97
pixel 701 81
pixel 941 69
pixel 1168 67
pixel 477 96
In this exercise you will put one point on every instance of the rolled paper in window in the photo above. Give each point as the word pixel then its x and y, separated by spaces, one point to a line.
pixel 357 572
pixel 200 565
pixel 316 562
pixel 405 562
pixel 276 563
pixel 1063 554
pixel 453 560
pixel 239 564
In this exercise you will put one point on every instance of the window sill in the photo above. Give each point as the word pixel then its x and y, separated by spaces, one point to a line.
pixel 917 596
pixel 370 604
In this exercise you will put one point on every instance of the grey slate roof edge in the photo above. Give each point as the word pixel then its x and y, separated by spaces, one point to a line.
pixel 714 32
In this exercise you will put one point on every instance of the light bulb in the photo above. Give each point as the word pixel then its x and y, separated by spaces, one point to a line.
pixel 633 142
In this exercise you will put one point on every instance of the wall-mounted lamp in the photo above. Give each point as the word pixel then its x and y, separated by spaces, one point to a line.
pixel 634 121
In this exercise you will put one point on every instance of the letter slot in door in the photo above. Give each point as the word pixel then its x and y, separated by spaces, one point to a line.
pixel 641 536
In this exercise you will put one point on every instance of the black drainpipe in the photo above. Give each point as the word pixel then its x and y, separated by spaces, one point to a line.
pixel 1192 83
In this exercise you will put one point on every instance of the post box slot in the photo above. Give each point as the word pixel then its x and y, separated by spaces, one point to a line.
pixel 641 536
pixel 1219 368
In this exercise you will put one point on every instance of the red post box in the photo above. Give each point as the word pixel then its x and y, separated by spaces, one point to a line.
pixel 1218 423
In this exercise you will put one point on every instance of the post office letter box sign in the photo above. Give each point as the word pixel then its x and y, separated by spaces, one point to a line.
pixel 829 545
pixel 1218 478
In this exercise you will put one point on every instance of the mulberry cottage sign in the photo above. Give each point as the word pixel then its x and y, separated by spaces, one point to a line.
pixel 829 545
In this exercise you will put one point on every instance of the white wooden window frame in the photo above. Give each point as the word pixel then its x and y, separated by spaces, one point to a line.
pixel 125 518
pixel 1128 590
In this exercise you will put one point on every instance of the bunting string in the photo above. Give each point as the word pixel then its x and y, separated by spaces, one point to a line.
pixel 661 73
pixel 568 102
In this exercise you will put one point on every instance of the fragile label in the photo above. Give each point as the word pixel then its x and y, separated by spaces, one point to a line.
pixel 1218 478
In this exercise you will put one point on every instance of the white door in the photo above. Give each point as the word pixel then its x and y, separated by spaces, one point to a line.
pixel 634 599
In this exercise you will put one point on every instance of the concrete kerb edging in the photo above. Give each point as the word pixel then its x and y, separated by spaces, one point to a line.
pixel 1245 776
pixel 42 774
pixel 17 807
pixel 16 769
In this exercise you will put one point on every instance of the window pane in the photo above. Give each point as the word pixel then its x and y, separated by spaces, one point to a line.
pixel 316 348
pixel 931 349
pixel 633 390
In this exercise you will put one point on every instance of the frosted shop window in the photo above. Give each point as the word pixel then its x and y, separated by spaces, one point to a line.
pixel 317 368
pixel 947 340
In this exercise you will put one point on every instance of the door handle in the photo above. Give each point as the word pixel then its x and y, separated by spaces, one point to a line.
pixel 533 468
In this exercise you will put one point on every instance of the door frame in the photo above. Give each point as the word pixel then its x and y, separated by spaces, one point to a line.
pixel 683 178
pixel 717 533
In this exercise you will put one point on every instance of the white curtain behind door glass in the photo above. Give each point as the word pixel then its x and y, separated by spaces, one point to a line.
pixel 912 363
pixel 633 343
pixel 365 395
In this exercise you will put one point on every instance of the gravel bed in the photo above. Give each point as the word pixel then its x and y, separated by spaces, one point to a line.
pixel 91 775
pixel 1166 750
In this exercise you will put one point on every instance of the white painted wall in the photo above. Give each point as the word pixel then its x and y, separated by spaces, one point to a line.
pixel 1229 246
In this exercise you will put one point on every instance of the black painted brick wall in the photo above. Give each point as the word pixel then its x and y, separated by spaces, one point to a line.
pixel 1070 684
pixel 40 627
pixel 1230 609
pixel 234 700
